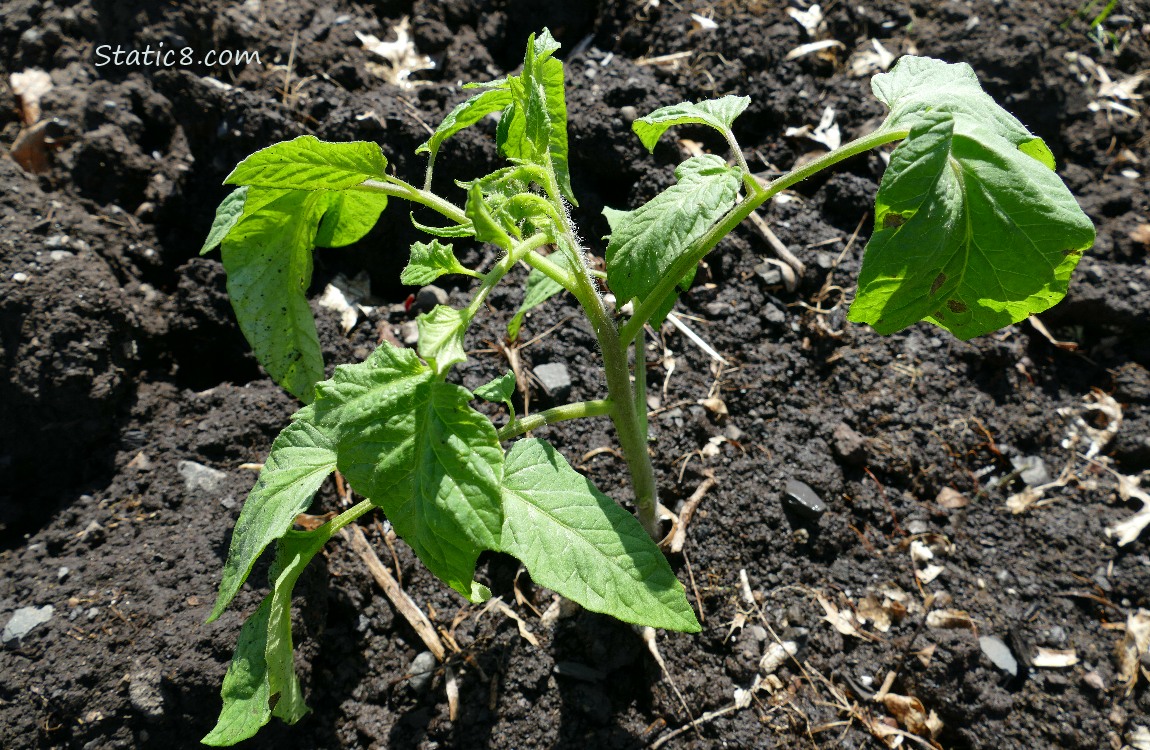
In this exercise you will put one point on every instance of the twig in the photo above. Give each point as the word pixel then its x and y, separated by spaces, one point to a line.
pixel 776 244
pixel 694 337
pixel 408 608
pixel 679 535
pixel 709 716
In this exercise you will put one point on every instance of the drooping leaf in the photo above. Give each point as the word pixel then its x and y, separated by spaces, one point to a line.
pixel 268 259
pixel 228 214
pixel 578 542
pixel 301 457
pixel 459 230
pixel 646 242
pixel 719 114
pixel 441 337
pixel 307 163
pixel 499 391
pixel 916 86
pixel 261 681
pixel 429 261
pixel 540 288
pixel 412 444
pixel 350 216
pixel 465 115
pixel 973 229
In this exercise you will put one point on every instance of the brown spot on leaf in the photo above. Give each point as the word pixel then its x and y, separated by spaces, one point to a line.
pixel 893 220
pixel 1071 251
pixel 956 306
pixel 938 282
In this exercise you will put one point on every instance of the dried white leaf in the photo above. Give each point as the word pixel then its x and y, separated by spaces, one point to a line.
pixel 343 296
pixel 1133 646
pixel 951 499
pixel 842 620
pixel 809 19
pixel 929 573
pixel 805 49
pixel 827 131
pixel 919 552
pixel 948 619
pixel 1139 737
pixel 776 656
pixel 872 610
pixel 703 23
pixel 1102 410
pixel 400 57
pixel 867 62
pixel 1054 658
pixel 30 85
pixel 1129 530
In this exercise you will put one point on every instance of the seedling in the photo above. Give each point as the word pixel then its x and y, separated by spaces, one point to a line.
pixel 973 231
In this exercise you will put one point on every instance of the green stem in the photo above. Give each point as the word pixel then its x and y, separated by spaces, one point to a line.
pixel 552 270
pixel 496 274
pixel 580 409
pixel 736 215
pixel 623 413
pixel 400 189
pixel 641 384
pixel 348 516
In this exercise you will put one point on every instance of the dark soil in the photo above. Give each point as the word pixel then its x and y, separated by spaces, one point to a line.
pixel 121 360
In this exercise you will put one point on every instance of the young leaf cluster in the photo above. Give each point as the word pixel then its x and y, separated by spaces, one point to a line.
pixel 973 231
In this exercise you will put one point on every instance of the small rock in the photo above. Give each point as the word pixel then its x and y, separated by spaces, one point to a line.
pixel 59 255
pixel 145 693
pixel 23 621
pixel 200 478
pixel 409 333
pixel 717 309
pixel 62 573
pixel 848 446
pixel 759 633
pixel 422 670
pixel 1032 470
pixel 824 260
pixel 93 613
pixel 732 433
pixel 774 315
pixel 19 277
pixel 93 533
pixel 999 654
pixel 1094 681
pixel 427 298
pixel 629 114
pixel 770 275
pixel 556 380
pixel 802 500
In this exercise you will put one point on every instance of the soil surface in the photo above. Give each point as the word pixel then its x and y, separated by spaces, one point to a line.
pixel 130 403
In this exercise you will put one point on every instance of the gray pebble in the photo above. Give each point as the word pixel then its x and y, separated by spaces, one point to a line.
pixel 427 298
pixel 145 693
pixel 1032 470
pixel 23 621
pixel 422 671
pixel 629 114
pixel 200 478
pixel 774 315
pixel 848 446
pixel 556 380
pixel 999 654
pixel 803 501
pixel 62 573
pixel 770 274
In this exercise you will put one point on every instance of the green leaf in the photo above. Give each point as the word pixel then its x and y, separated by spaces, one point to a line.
pixel 576 541
pixel 499 391
pixel 646 242
pixel 268 259
pixel 464 116
pixel 412 444
pixel 429 261
pixel 301 457
pixel 919 86
pixel 540 288
pixel 971 232
pixel 441 337
pixel 228 214
pixel 533 128
pixel 488 228
pixel 261 681
pixel 719 114
pixel 349 217
pixel 459 230
pixel 307 163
